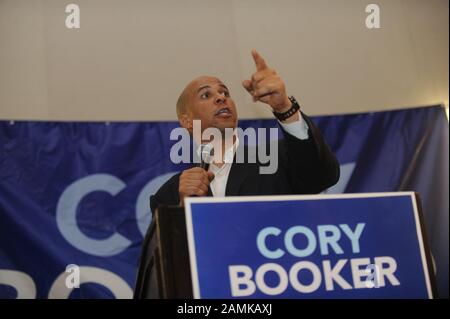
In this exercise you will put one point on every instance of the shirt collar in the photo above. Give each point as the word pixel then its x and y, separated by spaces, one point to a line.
pixel 229 153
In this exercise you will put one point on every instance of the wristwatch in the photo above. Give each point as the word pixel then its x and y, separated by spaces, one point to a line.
pixel 285 115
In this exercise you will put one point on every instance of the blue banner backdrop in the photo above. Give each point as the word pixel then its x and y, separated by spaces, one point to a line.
pixel 75 193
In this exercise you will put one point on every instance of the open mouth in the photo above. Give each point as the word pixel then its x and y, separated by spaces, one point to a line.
pixel 223 112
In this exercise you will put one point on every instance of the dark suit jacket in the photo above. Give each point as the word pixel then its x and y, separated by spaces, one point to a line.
pixel 304 167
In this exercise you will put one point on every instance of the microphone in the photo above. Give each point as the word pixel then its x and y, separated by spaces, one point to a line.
pixel 206 154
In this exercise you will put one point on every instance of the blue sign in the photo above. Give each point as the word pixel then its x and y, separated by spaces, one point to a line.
pixel 320 246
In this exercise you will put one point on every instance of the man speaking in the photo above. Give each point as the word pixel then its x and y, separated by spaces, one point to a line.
pixel 305 163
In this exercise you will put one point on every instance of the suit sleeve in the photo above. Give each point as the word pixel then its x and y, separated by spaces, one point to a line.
pixel 167 194
pixel 310 165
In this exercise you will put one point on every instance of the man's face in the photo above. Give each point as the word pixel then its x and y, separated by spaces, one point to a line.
pixel 209 100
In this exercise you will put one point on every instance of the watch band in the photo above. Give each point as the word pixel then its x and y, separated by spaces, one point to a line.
pixel 285 115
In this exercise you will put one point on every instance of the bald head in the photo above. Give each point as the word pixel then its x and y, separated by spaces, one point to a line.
pixel 207 99
pixel 190 89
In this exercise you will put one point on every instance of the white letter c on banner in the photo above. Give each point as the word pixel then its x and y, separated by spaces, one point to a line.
pixel 66 215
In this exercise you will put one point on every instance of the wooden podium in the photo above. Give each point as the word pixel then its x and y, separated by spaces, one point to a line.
pixel 391 236
pixel 164 270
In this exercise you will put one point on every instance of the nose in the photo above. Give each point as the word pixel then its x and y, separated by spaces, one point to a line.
pixel 220 99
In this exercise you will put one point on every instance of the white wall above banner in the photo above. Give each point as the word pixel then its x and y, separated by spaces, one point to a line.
pixel 129 60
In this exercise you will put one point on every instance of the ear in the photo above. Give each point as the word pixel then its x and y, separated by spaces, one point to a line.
pixel 186 122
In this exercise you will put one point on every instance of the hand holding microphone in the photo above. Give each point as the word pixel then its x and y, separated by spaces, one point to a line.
pixel 195 181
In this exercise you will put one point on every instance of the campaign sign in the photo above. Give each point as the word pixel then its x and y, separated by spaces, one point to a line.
pixel 318 246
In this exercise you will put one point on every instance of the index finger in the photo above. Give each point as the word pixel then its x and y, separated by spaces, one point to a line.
pixel 259 61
